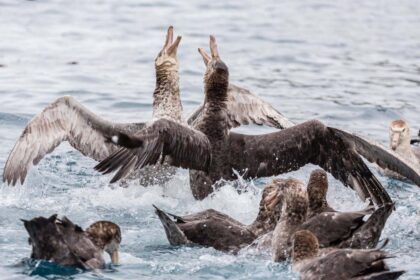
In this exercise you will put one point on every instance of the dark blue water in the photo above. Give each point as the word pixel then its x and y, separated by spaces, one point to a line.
pixel 352 64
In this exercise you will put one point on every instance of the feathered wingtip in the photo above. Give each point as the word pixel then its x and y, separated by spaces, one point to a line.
pixel 124 140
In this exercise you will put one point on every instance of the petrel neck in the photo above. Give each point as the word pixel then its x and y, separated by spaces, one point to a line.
pixel 166 97
pixel 216 94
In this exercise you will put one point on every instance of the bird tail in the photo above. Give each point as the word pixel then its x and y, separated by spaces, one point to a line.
pixel 174 234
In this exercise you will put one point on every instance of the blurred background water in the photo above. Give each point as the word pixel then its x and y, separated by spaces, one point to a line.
pixel 351 64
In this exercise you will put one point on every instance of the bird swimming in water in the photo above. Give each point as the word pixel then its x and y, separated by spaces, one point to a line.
pixel 311 263
pixel 68 120
pixel 65 243
pixel 212 228
pixel 293 214
pixel 400 141
pixel 341 229
pixel 213 152
pixel 332 228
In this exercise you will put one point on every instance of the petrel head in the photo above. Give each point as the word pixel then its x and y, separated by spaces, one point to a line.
pixel 167 56
pixel 107 236
pixel 217 72
pixel 272 202
pixel 317 188
pixel 399 134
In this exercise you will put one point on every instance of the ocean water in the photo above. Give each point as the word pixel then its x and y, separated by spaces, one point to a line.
pixel 351 64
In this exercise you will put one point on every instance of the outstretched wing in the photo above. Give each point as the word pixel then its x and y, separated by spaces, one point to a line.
pixel 187 148
pixel 310 142
pixel 244 108
pixel 384 157
pixel 63 120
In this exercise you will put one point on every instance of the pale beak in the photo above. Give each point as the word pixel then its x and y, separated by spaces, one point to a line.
pixel 115 258
pixel 204 55
pixel 394 140
pixel 173 48
pixel 213 47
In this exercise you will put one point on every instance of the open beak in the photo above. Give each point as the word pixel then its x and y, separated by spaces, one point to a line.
pixel 205 56
pixel 213 49
pixel 170 46
pixel 115 258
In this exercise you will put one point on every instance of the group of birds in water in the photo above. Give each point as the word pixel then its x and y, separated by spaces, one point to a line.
pixel 294 221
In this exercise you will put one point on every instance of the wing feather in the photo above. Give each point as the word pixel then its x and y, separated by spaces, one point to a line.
pixel 310 142
pixel 63 120
pixel 186 147
pixel 379 154
pixel 243 107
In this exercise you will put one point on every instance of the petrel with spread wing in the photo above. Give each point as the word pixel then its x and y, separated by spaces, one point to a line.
pixel 213 152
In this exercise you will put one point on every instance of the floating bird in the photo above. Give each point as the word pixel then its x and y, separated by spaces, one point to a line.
pixel 332 229
pixel 293 214
pixel 308 261
pixel 341 229
pixel 213 152
pixel 400 141
pixel 61 241
pixel 214 229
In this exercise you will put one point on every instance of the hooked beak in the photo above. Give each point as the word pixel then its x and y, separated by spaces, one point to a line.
pixel 170 46
pixel 213 50
pixel 395 139
pixel 115 258
pixel 213 47
pixel 205 56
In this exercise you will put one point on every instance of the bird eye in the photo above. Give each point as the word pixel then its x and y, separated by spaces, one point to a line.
pixel 403 130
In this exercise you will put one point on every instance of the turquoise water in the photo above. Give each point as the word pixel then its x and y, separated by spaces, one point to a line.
pixel 352 64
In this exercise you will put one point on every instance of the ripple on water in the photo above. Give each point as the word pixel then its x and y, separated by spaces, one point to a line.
pixel 356 68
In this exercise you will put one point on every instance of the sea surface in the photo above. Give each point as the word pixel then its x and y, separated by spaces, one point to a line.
pixel 352 64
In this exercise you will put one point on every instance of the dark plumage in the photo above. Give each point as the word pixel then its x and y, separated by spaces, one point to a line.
pixel 317 193
pixel 341 229
pixel 332 229
pixel 337 263
pixel 160 139
pixel 68 120
pixel 214 229
pixel 61 241
pixel 348 229
pixel 293 214
pixel 107 236
pixel 268 154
